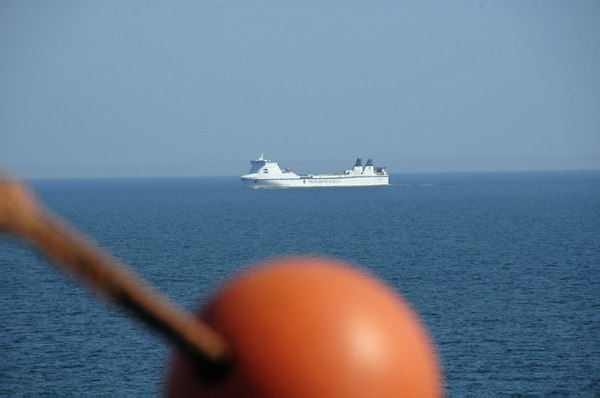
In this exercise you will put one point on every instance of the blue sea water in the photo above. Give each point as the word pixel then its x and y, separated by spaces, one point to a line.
pixel 504 269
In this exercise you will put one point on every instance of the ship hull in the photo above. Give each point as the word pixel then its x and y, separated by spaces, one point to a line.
pixel 315 182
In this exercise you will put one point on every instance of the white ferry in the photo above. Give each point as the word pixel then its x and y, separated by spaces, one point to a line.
pixel 267 174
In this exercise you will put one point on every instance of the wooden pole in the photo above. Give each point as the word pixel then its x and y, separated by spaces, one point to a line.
pixel 70 250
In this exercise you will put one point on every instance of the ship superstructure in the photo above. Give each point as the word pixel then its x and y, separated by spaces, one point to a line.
pixel 265 173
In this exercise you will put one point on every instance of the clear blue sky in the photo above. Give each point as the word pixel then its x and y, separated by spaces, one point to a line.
pixel 125 89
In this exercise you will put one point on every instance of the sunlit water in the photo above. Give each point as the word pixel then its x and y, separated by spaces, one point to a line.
pixel 504 268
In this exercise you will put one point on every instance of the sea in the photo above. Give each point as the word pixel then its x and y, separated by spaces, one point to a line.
pixel 502 267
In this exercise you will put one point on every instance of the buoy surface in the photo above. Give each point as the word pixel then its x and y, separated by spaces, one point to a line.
pixel 305 326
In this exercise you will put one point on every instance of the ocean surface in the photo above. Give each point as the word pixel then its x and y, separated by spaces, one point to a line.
pixel 504 269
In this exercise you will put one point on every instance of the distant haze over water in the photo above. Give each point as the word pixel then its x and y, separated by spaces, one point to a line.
pixel 197 88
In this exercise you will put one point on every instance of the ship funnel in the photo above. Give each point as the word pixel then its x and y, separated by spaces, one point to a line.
pixel 370 162
pixel 358 162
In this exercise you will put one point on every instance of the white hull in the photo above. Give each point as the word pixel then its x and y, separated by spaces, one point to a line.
pixel 316 182
pixel 266 174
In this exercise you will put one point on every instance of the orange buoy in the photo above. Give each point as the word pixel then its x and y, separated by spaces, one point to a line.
pixel 307 326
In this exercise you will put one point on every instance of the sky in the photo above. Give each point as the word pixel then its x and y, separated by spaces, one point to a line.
pixel 198 88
